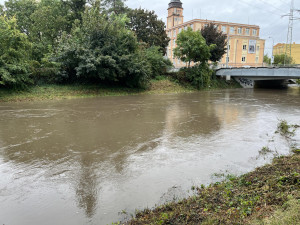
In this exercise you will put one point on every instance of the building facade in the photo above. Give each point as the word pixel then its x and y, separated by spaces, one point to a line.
pixel 245 48
pixel 281 49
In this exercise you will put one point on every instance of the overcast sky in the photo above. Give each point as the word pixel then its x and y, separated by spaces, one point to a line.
pixel 265 13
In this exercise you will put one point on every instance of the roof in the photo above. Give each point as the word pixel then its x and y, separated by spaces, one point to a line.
pixel 175 4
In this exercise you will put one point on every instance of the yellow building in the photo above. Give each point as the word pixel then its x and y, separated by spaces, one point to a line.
pixel 281 49
pixel 245 46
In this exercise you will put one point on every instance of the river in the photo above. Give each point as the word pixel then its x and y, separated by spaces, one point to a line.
pixel 96 160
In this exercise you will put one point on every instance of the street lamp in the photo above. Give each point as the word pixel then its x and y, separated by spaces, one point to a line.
pixel 272 59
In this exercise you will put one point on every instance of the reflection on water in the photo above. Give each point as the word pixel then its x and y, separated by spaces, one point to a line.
pixel 83 161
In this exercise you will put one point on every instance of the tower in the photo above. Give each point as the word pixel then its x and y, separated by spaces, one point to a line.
pixel 175 14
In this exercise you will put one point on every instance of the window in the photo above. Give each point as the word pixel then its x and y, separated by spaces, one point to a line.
pixel 243 59
pixel 192 26
pixel 185 28
pixel 244 47
pixel 216 26
pixel 247 31
pixel 224 29
pixel 228 47
pixel 206 25
pixel 179 30
pixel 174 42
pixel 174 33
pixel 254 32
pixel 227 59
pixel 239 30
pixel 232 30
pixel 170 33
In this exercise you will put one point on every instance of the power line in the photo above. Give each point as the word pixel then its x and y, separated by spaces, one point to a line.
pixel 272 6
pixel 258 7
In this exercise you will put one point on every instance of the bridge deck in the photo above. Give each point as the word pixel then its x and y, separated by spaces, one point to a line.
pixel 261 73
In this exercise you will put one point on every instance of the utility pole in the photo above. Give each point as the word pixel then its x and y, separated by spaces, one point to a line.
pixel 272 57
pixel 289 40
pixel 227 57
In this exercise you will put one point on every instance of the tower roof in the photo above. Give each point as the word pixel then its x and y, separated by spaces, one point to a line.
pixel 175 4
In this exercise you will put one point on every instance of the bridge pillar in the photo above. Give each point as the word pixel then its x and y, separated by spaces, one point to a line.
pixel 228 77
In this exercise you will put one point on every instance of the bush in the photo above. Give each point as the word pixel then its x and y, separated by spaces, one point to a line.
pixel 102 49
pixel 199 75
pixel 158 63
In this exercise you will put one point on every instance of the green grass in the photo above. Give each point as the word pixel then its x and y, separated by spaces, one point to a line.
pixel 53 92
pixel 161 85
pixel 259 197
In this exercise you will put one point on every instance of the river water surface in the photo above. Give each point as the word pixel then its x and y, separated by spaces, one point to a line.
pixel 88 161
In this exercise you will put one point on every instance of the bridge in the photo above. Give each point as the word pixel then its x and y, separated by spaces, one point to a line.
pixel 261 76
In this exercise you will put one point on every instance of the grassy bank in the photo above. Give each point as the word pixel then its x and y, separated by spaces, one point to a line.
pixel 52 92
pixel 259 197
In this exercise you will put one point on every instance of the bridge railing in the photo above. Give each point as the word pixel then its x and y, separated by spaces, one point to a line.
pixel 251 65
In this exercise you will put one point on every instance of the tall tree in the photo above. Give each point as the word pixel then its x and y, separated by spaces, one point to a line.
pixel 102 49
pixel 1 10
pixel 148 28
pixel 191 47
pixel 76 8
pixel 115 6
pixel 22 10
pixel 49 21
pixel 213 36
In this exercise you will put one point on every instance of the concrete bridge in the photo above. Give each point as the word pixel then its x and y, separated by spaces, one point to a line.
pixel 261 76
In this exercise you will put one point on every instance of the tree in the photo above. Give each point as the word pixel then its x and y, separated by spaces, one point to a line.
pixel 49 21
pixel 22 10
pixel 148 28
pixel 213 36
pixel 102 49
pixel 14 55
pixel 115 6
pixel 76 7
pixel 267 60
pixel 1 10
pixel 192 47
pixel 283 59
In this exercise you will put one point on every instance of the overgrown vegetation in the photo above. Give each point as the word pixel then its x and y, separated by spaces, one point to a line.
pixel 65 42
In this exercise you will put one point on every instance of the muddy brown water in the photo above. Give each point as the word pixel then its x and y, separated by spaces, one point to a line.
pixel 94 161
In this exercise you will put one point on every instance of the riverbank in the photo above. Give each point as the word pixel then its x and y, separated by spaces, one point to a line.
pixel 268 195
pixel 57 92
